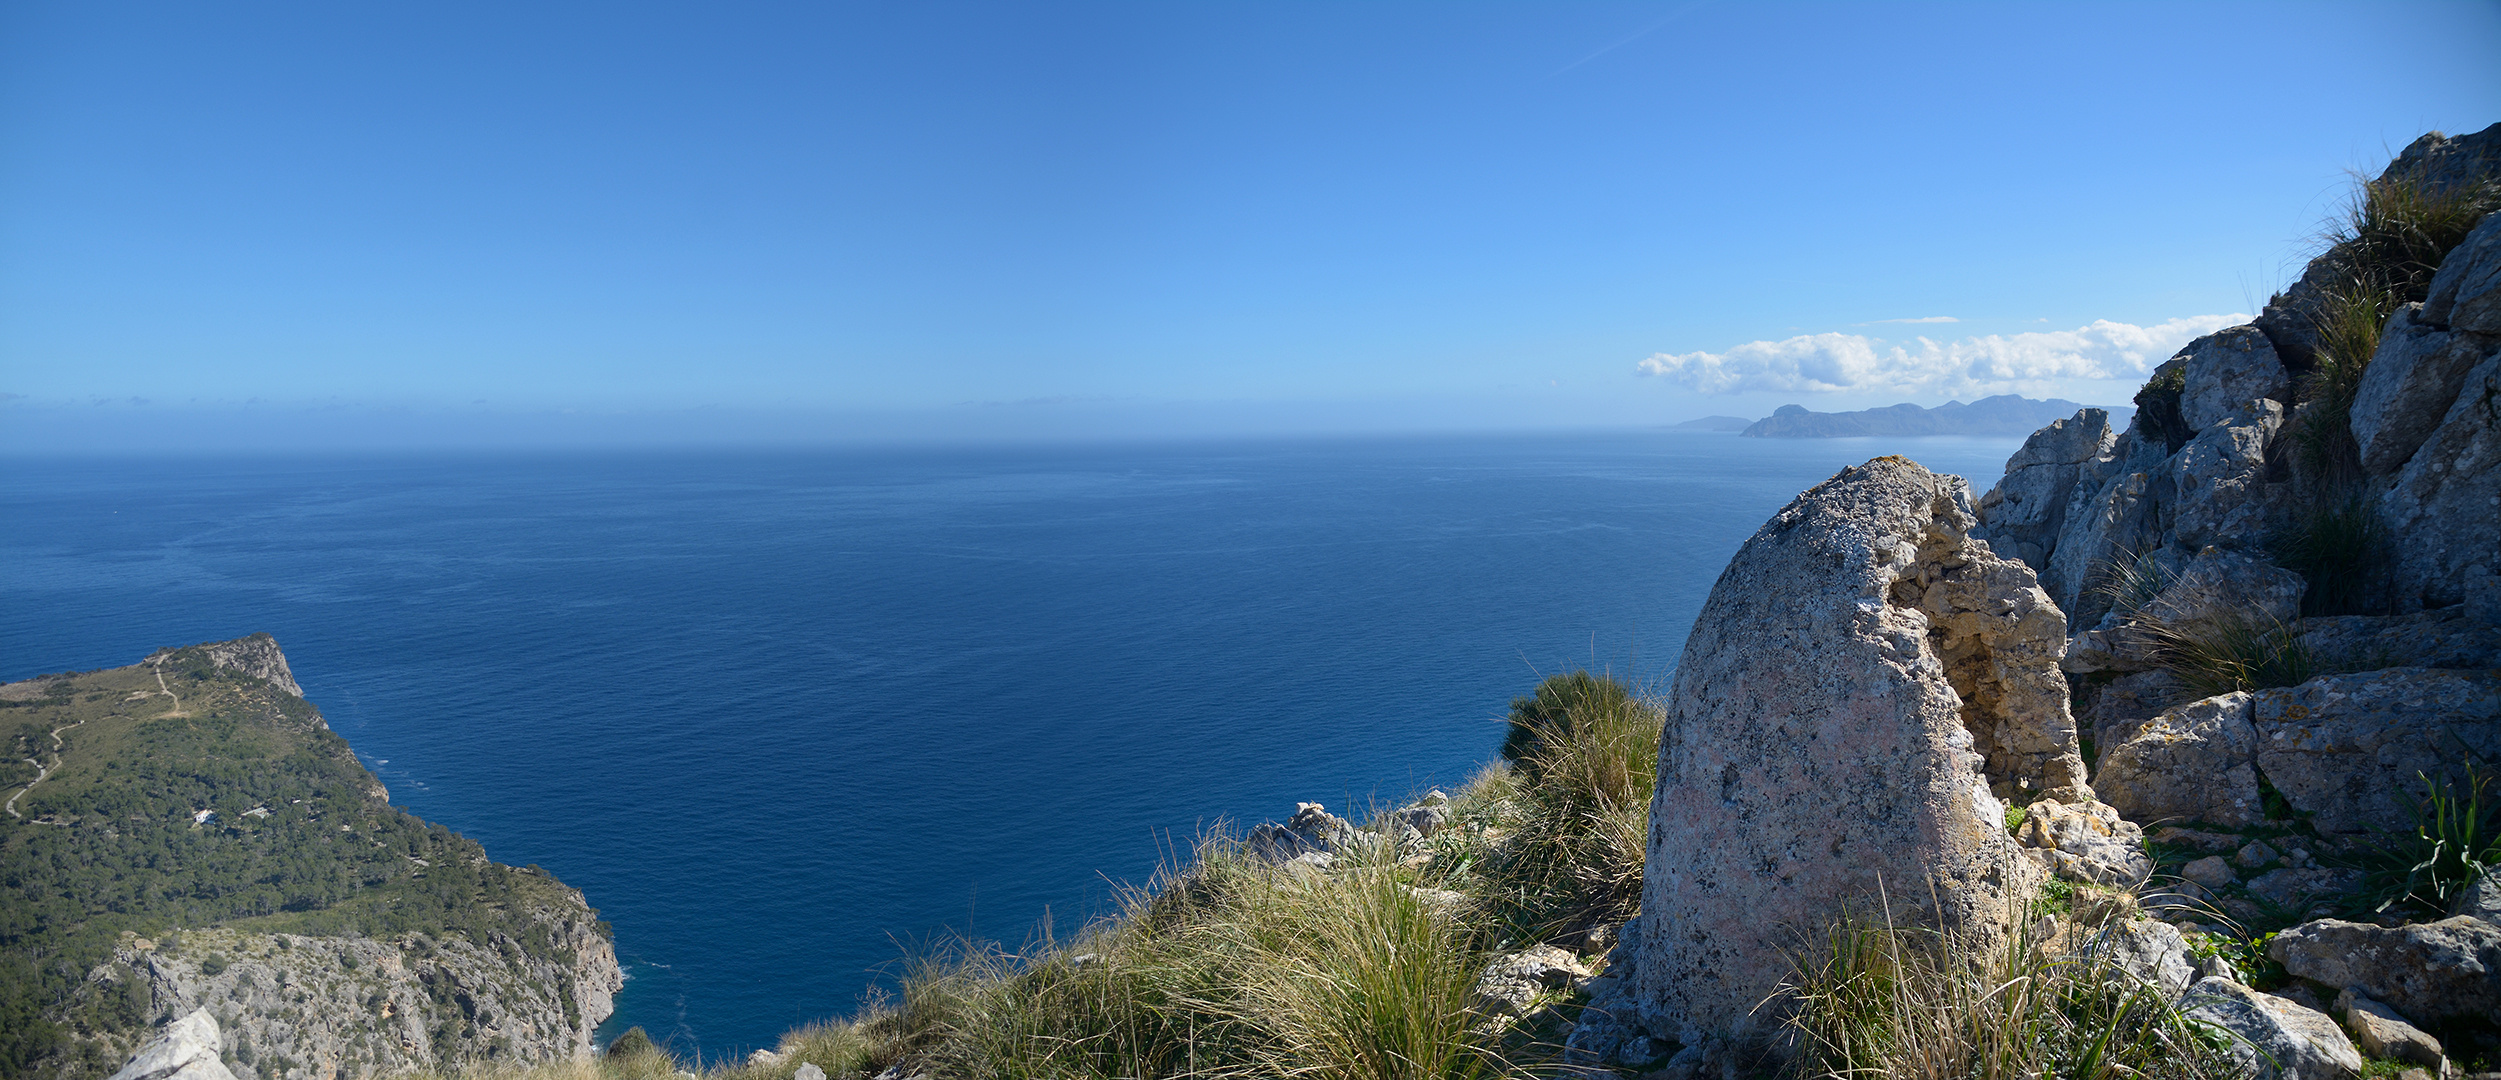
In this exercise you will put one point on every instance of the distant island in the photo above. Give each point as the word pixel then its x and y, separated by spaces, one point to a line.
pixel 1714 423
pixel 2005 414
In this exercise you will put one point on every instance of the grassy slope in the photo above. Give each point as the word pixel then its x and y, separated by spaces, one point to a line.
pixel 107 841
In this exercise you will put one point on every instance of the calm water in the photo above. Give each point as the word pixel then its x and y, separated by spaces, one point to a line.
pixel 782 715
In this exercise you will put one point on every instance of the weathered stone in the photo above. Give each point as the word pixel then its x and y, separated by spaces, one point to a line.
pixel 2087 841
pixel 2384 1034
pixel 2223 584
pixel 2211 872
pixel 1816 759
pixel 186 1049
pixel 2118 509
pixel 808 1070
pixel 2195 762
pixel 2350 749
pixel 2295 889
pixel 1311 829
pixel 2024 512
pixel 2429 972
pixel 2255 855
pixel 2480 899
pixel 2443 509
pixel 1609 1031
pixel 2149 951
pixel 2448 637
pixel 1512 983
pixel 2219 479
pixel 2125 704
pixel 2466 293
pixel 257 656
pixel 2228 370
pixel 2412 381
pixel 2275 1038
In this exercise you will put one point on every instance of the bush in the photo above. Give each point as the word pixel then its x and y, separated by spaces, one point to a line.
pixel 2456 840
pixel 2219 655
pixel 2336 546
pixel 2158 407
pixel 1581 801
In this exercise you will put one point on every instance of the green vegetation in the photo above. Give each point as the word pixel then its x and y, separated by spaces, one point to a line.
pixel 2233 651
pixel 2456 840
pixel 107 842
pixel 2158 407
pixel 1578 810
pixel 2336 545
pixel 1878 999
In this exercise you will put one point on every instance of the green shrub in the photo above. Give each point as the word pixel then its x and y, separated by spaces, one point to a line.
pixel 2337 546
pixel 1549 711
pixel 2456 839
pixel 2225 653
pixel 1580 804
pixel 2158 407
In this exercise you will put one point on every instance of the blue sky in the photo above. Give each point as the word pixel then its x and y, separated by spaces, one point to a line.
pixel 280 224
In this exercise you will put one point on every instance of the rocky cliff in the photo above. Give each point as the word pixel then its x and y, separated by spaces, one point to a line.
pixel 189 839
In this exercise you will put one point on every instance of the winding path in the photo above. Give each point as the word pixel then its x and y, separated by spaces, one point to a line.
pixel 41 770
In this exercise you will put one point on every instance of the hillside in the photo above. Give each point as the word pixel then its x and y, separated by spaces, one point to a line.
pixel 187 831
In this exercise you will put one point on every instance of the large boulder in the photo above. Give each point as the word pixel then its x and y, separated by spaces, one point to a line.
pixel 2194 762
pixel 2413 379
pixel 2227 372
pixel 1818 762
pixel 2350 750
pixel 2219 479
pixel 2443 508
pixel 2465 295
pixel 2450 637
pixel 2274 1037
pixel 188 1049
pixel 2431 973
pixel 2026 510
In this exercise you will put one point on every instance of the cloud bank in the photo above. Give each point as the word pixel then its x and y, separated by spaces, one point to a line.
pixel 1996 363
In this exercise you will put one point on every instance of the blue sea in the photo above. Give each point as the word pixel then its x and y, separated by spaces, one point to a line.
pixel 787 717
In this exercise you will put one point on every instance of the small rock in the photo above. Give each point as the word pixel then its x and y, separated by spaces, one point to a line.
pixel 2278 1039
pixel 2151 952
pixel 2197 840
pixel 2290 890
pixel 187 1049
pixel 2257 854
pixel 2384 1034
pixel 1512 983
pixel 767 1057
pixel 2211 872
pixel 808 1071
pixel 2481 900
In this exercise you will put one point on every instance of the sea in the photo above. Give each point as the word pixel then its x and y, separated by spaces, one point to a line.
pixel 794 718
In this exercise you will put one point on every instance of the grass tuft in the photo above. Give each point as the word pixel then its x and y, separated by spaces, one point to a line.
pixel 2456 840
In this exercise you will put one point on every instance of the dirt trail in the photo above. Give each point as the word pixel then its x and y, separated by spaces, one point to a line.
pixel 42 770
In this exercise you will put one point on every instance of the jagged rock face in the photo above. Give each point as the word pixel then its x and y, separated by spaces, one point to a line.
pixel 307 1008
pixel 2413 379
pixel 188 1049
pixel 2226 371
pixel 257 656
pixel 2443 509
pixel 2344 749
pixel 2278 1038
pixel 2026 510
pixel 2443 164
pixel 1817 752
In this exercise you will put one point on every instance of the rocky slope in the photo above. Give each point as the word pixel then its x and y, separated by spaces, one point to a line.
pixel 189 839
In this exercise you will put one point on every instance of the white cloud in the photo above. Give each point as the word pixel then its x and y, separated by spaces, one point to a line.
pixel 1995 363
pixel 1923 319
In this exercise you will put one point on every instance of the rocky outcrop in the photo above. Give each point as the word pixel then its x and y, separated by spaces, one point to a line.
pixel 257 656
pixel 2344 750
pixel 2429 972
pixel 2087 841
pixel 1821 756
pixel 187 1049
pixel 2027 509
pixel 295 1007
pixel 1313 830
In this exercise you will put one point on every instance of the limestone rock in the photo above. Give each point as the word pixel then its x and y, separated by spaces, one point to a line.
pixel 1511 984
pixel 809 1070
pixel 2296 888
pixel 2211 872
pixel 2119 506
pixel 2125 704
pixel 2447 637
pixel 2087 841
pixel 187 1049
pixel 2195 762
pixel 2479 900
pixel 2443 509
pixel 1312 829
pixel 2384 1034
pixel 2412 381
pixel 2025 511
pixel 2150 951
pixel 2221 584
pixel 2218 479
pixel 2347 748
pixel 2429 972
pixel 2466 293
pixel 2226 371
pixel 1816 754
pixel 2277 1037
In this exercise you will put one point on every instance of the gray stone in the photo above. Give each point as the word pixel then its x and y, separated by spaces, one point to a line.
pixel 2447 637
pixel 2275 1038
pixel 2466 293
pixel 1816 758
pixel 186 1049
pixel 2211 872
pixel 808 1071
pixel 2219 479
pixel 2443 509
pixel 2295 889
pixel 2480 899
pixel 2023 513
pixel 2125 704
pixel 2087 841
pixel 2148 951
pixel 2228 370
pixel 257 656
pixel 2195 762
pixel 2429 972
pixel 2412 381
pixel 2119 504
pixel 2349 749
pixel 1311 829
pixel 2255 855
pixel 2222 584
pixel 1511 984
pixel 2384 1034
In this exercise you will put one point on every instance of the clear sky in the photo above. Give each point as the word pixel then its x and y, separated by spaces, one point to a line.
pixel 283 224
